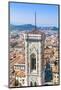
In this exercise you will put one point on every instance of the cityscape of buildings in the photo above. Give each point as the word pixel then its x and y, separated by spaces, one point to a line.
pixel 34 57
pixel 17 57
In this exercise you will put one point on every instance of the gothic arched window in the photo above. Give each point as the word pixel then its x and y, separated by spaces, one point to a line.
pixel 33 61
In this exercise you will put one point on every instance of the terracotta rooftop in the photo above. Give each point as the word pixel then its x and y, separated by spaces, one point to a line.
pixel 48 50
pixel 20 59
pixel 55 69
pixel 20 73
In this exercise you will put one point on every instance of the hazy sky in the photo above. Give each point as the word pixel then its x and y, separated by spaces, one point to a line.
pixel 22 13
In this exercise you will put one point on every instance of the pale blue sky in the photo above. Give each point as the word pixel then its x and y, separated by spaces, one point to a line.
pixel 22 13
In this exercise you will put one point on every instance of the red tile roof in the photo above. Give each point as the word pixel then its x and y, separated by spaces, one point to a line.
pixel 20 73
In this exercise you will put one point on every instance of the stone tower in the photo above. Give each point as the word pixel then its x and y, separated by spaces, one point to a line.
pixel 34 46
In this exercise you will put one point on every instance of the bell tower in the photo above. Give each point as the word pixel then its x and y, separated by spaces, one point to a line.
pixel 34 44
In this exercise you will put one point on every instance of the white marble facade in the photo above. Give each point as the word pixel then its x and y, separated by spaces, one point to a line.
pixel 33 51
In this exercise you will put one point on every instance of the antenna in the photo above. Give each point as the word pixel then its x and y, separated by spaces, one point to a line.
pixel 35 20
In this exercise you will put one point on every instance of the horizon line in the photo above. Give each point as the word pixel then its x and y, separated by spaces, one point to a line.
pixel 36 25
